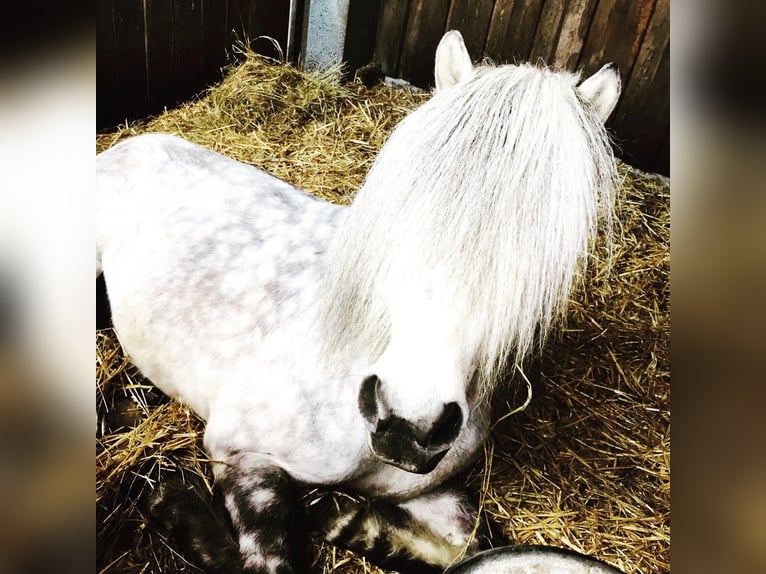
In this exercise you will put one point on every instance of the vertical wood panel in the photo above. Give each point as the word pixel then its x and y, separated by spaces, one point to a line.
pixel 574 29
pixel 299 14
pixel 392 22
pixel 425 27
pixel 494 46
pixel 615 34
pixel 160 64
pixel 250 14
pixel 238 18
pixel 268 18
pixel 472 20
pixel 646 121
pixel 130 56
pixel 107 110
pixel 155 53
pixel 512 29
pixel 187 47
pixel 548 29
pixel 636 85
pixel 214 39
pixel 359 45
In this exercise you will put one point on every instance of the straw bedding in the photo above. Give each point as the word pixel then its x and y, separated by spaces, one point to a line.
pixel 585 466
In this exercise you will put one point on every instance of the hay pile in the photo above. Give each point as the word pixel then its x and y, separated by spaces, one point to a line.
pixel 586 466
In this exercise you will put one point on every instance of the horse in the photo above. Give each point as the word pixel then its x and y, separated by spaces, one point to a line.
pixel 356 348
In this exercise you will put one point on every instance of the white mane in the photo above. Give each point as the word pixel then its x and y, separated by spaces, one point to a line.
pixel 487 197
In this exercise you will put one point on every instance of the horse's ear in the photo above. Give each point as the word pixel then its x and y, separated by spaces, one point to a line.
pixel 453 63
pixel 602 90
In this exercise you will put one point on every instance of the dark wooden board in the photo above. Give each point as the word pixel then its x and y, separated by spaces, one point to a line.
pixel 512 30
pixel 215 40
pixel 153 54
pixel 645 129
pixel 130 58
pixel 187 48
pixel 472 20
pixel 269 18
pixel 548 29
pixel 647 63
pixel 643 112
pixel 574 28
pixel 390 34
pixel 237 13
pixel 160 57
pixel 361 28
pixel 426 25
pixel 615 34
pixel 107 106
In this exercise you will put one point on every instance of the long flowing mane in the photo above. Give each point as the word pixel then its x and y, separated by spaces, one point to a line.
pixel 487 196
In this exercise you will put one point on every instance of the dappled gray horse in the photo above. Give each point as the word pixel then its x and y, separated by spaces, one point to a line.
pixel 357 347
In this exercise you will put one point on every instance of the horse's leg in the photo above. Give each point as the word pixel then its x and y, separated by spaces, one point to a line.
pixel 194 522
pixel 262 503
pixel 424 534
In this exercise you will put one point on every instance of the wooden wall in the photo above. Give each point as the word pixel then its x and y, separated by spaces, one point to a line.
pixel 153 54
pixel 585 34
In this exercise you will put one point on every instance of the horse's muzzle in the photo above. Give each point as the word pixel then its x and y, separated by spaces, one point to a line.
pixel 398 442
pixel 400 450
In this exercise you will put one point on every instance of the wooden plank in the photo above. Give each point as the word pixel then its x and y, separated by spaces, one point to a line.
pixel 425 26
pixel 390 34
pixel 646 126
pixel 251 13
pixel 214 39
pixel 494 45
pixel 299 13
pixel 615 35
pixel 571 37
pixel 548 29
pixel 234 26
pixel 130 58
pixel 647 63
pixel 472 20
pixel 107 112
pixel 642 117
pixel 160 64
pixel 238 19
pixel 359 45
pixel 269 18
pixel 187 49
pixel 512 30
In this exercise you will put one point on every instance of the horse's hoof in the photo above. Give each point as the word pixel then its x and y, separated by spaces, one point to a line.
pixel 330 510
pixel 194 522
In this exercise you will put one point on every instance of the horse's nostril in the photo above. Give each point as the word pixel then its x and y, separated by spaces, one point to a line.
pixel 447 427
pixel 368 398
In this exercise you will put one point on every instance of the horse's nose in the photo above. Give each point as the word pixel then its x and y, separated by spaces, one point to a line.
pixel 410 445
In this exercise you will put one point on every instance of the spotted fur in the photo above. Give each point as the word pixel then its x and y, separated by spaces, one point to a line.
pixel 424 534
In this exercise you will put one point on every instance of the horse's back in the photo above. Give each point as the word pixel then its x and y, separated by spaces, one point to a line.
pixel 202 256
